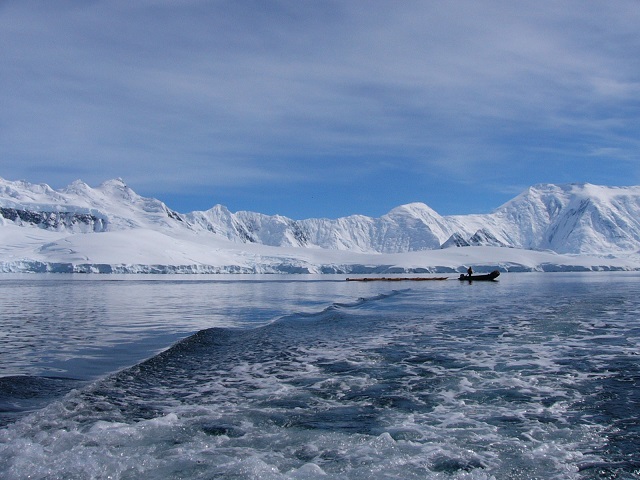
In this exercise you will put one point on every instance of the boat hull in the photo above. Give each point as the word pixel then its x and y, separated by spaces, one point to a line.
pixel 490 277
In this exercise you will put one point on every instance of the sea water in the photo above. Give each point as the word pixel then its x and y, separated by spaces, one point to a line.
pixel 533 376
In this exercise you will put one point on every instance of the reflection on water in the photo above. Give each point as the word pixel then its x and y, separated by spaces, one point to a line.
pixel 85 326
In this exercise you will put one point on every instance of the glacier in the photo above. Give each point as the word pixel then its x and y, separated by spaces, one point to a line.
pixel 112 229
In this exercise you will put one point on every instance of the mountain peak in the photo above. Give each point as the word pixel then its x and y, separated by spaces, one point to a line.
pixel 117 183
pixel 416 209
pixel 77 187
pixel 570 218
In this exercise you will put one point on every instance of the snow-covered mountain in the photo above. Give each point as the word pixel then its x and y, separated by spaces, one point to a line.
pixel 76 223
pixel 79 208
pixel 576 218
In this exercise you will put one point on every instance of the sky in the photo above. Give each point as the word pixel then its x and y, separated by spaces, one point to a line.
pixel 321 108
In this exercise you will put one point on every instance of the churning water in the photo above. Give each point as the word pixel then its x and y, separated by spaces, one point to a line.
pixel 534 376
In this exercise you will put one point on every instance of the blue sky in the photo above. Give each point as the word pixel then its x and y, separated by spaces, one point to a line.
pixel 321 108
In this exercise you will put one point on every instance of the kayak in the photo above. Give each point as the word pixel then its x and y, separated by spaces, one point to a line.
pixel 488 277
pixel 395 279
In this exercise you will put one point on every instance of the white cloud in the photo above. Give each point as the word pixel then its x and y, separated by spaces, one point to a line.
pixel 242 92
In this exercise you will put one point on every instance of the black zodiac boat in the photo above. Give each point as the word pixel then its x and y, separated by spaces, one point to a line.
pixel 488 277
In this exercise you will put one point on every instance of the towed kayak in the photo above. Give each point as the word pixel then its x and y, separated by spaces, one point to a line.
pixel 488 277
pixel 395 279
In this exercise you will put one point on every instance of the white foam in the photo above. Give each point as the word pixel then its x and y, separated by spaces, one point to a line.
pixel 368 395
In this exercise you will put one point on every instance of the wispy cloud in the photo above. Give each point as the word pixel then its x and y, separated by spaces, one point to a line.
pixel 212 93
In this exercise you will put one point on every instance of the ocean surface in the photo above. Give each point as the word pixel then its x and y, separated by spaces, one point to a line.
pixel 535 376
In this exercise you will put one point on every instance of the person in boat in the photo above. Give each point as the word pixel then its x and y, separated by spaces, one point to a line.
pixel 469 272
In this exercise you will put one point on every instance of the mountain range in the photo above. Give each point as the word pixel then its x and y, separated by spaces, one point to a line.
pixel 80 223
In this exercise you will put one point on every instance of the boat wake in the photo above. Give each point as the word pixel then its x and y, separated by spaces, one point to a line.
pixel 399 385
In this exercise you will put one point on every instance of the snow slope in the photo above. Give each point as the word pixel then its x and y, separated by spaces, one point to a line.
pixel 110 228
